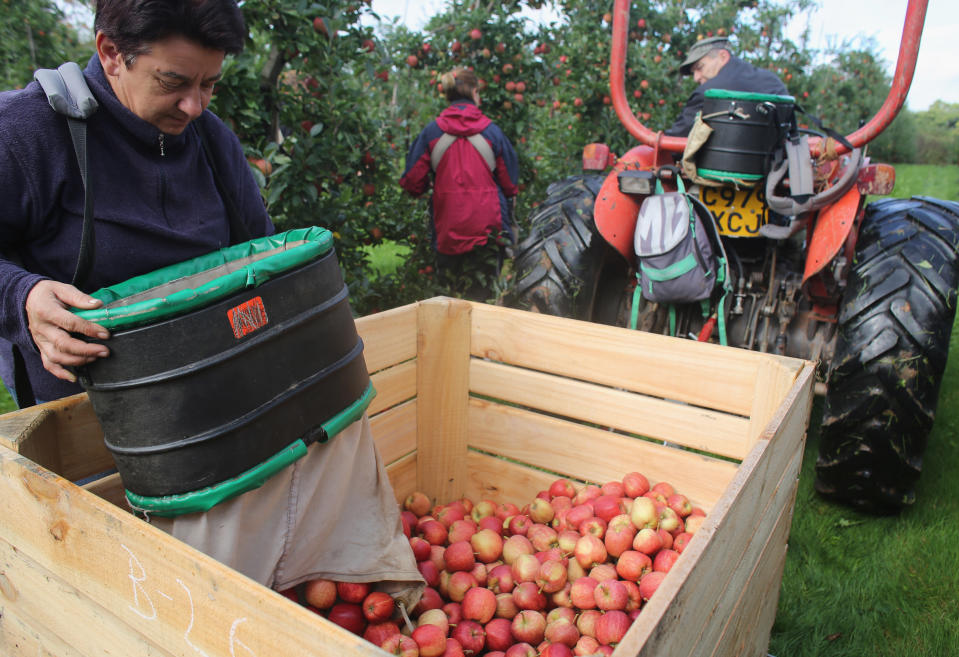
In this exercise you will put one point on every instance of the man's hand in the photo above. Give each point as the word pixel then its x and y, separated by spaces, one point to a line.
pixel 50 323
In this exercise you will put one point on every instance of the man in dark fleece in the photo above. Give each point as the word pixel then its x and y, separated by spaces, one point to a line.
pixel 155 199
pixel 474 173
pixel 713 66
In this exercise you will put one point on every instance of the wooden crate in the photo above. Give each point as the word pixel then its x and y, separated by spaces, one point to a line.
pixel 460 387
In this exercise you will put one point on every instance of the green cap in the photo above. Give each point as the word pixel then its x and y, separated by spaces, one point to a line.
pixel 700 50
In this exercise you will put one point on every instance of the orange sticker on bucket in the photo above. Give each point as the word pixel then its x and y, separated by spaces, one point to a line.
pixel 247 317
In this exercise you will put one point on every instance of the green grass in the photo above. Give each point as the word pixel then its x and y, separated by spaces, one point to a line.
pixel 927 180
pixel 6 402
pixel 862 586
pixel 857 585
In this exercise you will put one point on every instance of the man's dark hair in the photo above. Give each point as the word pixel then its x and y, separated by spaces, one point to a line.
pixel 134 24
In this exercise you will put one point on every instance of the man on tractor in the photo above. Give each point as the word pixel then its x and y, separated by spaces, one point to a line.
pixel 713 66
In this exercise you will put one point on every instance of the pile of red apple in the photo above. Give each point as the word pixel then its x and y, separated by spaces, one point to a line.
pixel 565 575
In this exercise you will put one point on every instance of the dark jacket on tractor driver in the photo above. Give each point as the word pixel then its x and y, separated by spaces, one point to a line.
pixel 469 201
pixel 736 75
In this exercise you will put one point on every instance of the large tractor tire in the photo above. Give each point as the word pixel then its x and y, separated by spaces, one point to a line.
pixel 557 265
pixel 894 327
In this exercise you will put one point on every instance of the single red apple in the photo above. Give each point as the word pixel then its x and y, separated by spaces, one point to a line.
pixel 470 635
pixel 649 583
pixel 611 627
pixel 479 604
pixel 562 487
pixel 348 616
pixel 430 639
pixel 529 627
pixel 499 634
pixel 401 646
pixel 320 593
pixel 632 565
pixel 487 545
pixel 610 595
pixel 378 607
pixel 354 592
pixel 418 503
pixel 527 596
pixel 377 633
pixel 435 617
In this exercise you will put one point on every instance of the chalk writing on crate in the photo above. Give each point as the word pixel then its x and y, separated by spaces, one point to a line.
pixel 144 606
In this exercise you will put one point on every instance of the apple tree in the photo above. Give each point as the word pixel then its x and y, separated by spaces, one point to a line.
pixel 34 35
pixel 302 98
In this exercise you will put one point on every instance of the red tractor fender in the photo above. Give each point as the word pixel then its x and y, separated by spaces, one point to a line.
pixel 831 233
pixel 614 212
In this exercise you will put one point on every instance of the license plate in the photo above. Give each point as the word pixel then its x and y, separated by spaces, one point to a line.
pixel 738 212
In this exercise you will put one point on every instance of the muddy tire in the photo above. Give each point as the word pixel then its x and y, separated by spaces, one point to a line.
pixel 557 265
pixel 894 326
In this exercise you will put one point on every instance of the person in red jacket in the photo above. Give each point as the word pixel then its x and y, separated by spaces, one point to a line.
pixel 474 173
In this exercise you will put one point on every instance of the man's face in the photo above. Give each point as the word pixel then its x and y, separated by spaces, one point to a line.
pixel 169 86
pixel 707 67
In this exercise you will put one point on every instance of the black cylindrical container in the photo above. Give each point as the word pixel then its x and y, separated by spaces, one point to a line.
pixel 747 127
pixel 195 393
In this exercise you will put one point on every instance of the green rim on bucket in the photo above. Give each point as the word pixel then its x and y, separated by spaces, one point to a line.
pixel 186 286
pixel 726 94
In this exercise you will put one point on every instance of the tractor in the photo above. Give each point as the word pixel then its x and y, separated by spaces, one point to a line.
pixel 866 290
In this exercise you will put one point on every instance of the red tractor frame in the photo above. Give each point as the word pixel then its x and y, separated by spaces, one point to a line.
pixel 866 289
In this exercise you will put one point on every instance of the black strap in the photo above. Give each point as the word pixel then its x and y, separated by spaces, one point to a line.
pixel 21 381
pixel 78 133
pixel 238 230
pixel 829 131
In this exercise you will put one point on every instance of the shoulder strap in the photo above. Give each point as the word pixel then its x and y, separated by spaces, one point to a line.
pixel 479 143
pixel 67 91
pixel 68 94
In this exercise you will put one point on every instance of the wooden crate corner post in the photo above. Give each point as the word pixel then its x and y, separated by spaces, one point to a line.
pixel 442 384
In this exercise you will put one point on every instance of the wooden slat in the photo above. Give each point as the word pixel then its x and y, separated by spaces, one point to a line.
pixel 494 479
pixel 402 475
pixel 388 337
pixel 22 636
pixel 394 431
pixel 593 454
pixel 171 594
pixel 721 614
pixel 109 488
pixel 393 385
pixel 57 624
pixel 714 567
pixel 758 603
pixel 62 435
pixel 682 424
pixel 773 383
pixel 442 384
pixel 703 374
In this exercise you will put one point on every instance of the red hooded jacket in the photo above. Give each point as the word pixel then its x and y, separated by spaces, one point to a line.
pixel 469 200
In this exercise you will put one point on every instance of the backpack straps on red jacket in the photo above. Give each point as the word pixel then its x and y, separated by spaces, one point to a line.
pixel 479 143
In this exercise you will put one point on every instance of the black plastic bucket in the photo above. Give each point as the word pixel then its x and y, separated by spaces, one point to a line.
pixel 747 127
pixel 196 393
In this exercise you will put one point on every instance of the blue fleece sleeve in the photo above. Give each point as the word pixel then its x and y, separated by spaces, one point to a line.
pixel 16 191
